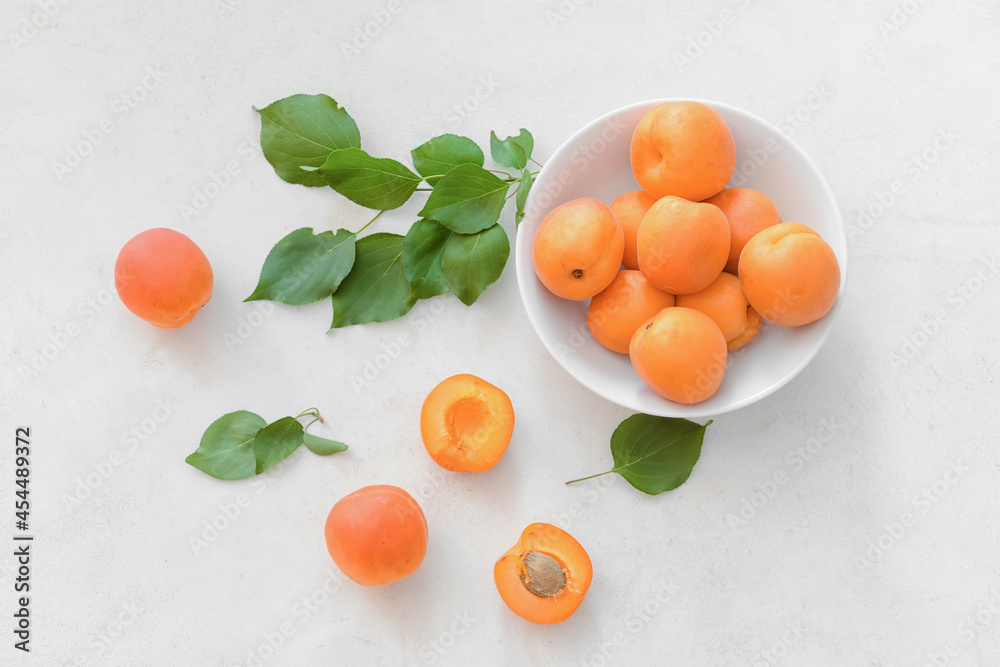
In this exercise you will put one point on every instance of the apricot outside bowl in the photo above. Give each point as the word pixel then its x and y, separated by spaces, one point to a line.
pixel 595 162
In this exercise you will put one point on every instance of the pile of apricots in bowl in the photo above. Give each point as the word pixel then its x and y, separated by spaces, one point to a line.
pixel 685 270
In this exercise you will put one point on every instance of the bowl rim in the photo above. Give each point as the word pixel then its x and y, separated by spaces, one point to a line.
pixel 525 273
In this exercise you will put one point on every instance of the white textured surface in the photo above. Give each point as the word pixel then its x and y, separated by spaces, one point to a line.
pixel 677 582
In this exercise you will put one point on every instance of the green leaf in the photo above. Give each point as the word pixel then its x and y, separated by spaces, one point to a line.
pixel 512 152
pixel 322 446
pixel 276 441
pixel 226 449
pixel 376 289
pixel 302 130
pixel 423 248
pixel 304 267
pixel 473 262
pixel 439 155
pixel 523 188
pixel 656 454
pixel 467 199
pixel 374 182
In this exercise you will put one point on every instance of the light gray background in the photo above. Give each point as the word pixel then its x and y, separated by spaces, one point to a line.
pixel 728 569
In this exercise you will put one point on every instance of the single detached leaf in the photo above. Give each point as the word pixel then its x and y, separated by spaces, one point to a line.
pixel 374 182
pixel 302 130
pixel 376 289
pixel 276 441
pixel 439 155
pixel 523 188
pixel 304 267
pixel 467 199
pixel 473 262
pixel 423 249
pixel 512 152
pixel 226 449
pixel 656 454
pixel 322 446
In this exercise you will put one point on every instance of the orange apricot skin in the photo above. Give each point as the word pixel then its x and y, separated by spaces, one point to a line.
pixel 682 246
pixel 724 302
pixel 748 334
pixel 683 149
pixel 578 248
pixel 629 209
pixel 680 353
pixel 614 315
pixel 466 423
pixel 576 566
pixel 789 274
pixel 377 535
pixel 748 212
pixel 163 277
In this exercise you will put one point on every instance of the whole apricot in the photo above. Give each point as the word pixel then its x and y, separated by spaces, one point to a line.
pixel 163 277
pixel 753 328
pixel 629 210
pixel 789 274
pixel 466 423
pixel 577 249
pixel 680 353
pixel 682 246
pixel 377 535
pixel 545 576
pixel 724 302
pixel 748 212
pixel 614 315
pixel 683 149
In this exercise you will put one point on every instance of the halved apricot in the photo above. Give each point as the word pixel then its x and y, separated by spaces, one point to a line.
pixel 466 423
pixel 545 576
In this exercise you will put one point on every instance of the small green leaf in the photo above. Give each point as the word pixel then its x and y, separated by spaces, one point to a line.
pixel 441 154
pixel 512 152
pixel 374 182
pixel 656 454
pixel 304 267
pixel 322 446
pixel 226 449
pixel 423 248
pixel 376 289
pixel 523 188
pixel 473 262
pixel 276 441
pixel 467 199
pixel 302 130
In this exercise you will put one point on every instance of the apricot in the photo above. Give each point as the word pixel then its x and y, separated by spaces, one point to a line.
pixel 789 274
pixel 683 149
pixel 466 423
pixel 682 246
pixel 753 328
pixel 377 535
pixel 680 353
pixel 629 210
pixel 163 277
pixel 748 212
pixel 724 302
pixel 614 315
pixel 577 249
pixel 545 576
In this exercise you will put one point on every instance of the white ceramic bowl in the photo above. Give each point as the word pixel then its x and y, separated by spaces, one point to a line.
pixel 595 162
